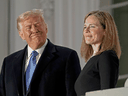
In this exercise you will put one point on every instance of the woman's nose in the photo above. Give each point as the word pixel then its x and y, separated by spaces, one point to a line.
pixel 86 30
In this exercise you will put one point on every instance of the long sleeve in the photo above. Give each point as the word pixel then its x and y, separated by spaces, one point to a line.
pixel 108 69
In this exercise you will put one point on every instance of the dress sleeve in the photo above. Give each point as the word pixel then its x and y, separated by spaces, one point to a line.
pixel 108 69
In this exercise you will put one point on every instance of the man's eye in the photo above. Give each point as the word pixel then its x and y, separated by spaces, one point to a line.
pixel 28 27
pixel 36 25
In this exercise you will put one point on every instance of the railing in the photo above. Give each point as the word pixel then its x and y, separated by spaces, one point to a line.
pixel 123 77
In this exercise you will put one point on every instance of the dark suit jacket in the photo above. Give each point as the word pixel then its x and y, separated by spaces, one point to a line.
pixel 100 72
pixel 55 73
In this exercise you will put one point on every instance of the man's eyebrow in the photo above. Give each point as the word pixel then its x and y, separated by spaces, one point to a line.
pixel 36 22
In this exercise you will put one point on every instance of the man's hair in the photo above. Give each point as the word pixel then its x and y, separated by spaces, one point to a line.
pixel 110 40
pixel 26 15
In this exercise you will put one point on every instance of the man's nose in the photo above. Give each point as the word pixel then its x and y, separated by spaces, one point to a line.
pixel 33 28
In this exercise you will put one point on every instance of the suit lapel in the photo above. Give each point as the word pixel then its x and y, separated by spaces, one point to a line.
pixel 18 67
pixel 44 60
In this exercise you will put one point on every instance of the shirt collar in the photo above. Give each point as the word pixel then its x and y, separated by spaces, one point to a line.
pixel 40 50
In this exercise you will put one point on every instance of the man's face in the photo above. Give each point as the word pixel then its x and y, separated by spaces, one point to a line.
pixel 34 31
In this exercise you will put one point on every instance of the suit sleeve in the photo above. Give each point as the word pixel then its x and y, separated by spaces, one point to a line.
pixel 108 69
pixel 2 88
pixel 72 71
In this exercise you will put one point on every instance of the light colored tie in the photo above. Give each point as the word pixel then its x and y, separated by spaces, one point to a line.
pixel 31 67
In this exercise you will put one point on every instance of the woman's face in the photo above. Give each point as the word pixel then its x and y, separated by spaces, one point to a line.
pixel 93 31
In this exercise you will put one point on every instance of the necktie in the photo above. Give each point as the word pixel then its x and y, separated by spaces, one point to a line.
pixel 31 67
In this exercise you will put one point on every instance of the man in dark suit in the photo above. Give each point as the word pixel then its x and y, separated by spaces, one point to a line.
pixel 56 68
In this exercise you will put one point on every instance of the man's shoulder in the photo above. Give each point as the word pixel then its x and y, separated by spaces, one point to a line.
pixel 63 48
pixel 13 54
pixel 16 54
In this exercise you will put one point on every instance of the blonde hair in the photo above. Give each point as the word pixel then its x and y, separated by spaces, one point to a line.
pixel 26 15
pixel 110 40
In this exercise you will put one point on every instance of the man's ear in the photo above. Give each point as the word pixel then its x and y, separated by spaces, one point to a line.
pixel 46 29
pixel 104 32
pixel 21 34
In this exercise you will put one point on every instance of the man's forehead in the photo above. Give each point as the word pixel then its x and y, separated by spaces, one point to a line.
pixel 30 20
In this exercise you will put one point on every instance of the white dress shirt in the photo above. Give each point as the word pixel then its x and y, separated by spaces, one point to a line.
pixel 40 51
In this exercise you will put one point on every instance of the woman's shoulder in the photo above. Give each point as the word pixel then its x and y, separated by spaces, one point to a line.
pixel 105 54
pixel 108 53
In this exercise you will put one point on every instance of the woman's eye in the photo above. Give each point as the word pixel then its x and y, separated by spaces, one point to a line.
pixel 92 26
pixel 85 27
